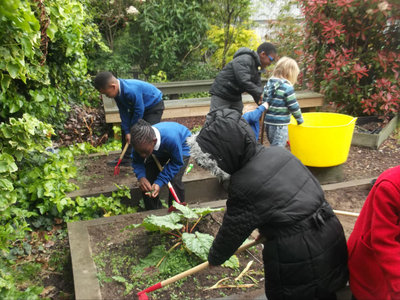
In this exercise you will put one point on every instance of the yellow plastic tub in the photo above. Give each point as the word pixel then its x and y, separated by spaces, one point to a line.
pixel 323 140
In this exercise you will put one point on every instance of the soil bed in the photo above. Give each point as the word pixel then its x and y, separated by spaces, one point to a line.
pixel 348 199
pixel 116 253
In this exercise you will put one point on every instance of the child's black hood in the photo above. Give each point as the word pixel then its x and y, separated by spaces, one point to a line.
pixel 225 143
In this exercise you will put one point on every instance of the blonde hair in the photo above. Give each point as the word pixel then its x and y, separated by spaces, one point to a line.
pixel 286 68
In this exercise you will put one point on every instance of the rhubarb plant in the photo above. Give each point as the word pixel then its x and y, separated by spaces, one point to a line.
pixel 180 225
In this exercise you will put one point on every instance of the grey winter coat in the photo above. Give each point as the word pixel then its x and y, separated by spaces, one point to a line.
pixel 305 255
pixel 241 74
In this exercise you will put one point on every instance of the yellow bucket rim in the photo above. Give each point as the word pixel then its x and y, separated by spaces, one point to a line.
pixel 327 113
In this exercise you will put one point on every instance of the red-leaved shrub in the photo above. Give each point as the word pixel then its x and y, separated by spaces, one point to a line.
pixel 352 54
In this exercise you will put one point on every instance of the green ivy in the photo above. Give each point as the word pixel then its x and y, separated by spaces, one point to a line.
pixel 43 66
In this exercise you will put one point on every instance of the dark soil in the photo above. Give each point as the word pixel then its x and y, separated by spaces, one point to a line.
pixel 348 199
pixel 109 243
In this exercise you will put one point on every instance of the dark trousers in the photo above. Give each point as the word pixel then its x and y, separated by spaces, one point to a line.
pixel 153 116
pixel 152 172
pixel 219 103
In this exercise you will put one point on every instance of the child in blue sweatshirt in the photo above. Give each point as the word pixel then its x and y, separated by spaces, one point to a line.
pixel 279 94
pixel 167 141
pixel 135 99
pixel 253 118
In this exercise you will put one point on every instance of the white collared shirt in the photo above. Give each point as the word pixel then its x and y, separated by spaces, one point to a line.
pixel 119 88
pixel 158 137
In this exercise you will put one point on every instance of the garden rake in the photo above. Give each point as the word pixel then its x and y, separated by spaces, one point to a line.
pixel 262 128
pixel 170 187
pixel 142 295
pixel 116 169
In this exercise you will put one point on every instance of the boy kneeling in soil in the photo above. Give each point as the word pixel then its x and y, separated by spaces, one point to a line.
pixel 305 254
pixel 167 142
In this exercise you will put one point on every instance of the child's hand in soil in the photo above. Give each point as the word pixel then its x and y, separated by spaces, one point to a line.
pixel 144 185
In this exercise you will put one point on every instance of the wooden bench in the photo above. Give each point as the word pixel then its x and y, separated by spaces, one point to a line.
pixel 195 107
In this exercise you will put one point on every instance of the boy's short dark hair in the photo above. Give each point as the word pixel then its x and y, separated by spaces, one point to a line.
pixel 142 133
pixel 102 80
pixel 267 48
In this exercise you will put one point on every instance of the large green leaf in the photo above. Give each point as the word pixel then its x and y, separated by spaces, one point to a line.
pixel 186 211
pixel 6 185
pixel 206 210
pixel 198 243
pixel 13 69
pixel 7 163
pixel 162 223
pixel 5 81
pixel 51 30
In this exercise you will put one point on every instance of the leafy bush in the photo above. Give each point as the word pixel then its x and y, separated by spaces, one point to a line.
pixel 197 71
pixel 162 36
pixel 352 54
pixel 34 182
pixel 21 143
pixel 244 38
pixel 43 66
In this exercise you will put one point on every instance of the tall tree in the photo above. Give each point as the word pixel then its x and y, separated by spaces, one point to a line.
pixel 229 14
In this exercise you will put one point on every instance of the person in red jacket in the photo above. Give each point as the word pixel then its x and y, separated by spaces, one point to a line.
pixel 374 244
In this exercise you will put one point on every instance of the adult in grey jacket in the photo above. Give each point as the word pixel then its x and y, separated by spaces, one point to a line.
pixel 305 254
pixel 241 74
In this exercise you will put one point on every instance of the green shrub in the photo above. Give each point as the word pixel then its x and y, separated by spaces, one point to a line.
pixel 244 38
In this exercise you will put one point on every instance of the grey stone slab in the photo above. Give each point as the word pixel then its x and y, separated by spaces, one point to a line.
pixel 85 280
pixel 346 184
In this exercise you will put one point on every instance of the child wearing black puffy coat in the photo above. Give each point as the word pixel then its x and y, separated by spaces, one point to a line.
pixel 305 254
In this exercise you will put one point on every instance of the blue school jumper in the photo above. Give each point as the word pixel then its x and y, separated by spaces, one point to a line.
pixel 173 146
pixel 135 96
pixel 253 118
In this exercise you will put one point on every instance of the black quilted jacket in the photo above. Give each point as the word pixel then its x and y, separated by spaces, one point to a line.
pixel 238 76
pixel 305 256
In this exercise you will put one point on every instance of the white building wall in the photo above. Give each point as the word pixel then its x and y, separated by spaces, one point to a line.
pixel 267 10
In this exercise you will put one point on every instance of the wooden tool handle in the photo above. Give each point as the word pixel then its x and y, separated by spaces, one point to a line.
pixel 262 127
pixel 184 274
pixel 346 213
pixel 204 265
pixel 123 151
pixel 157 162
